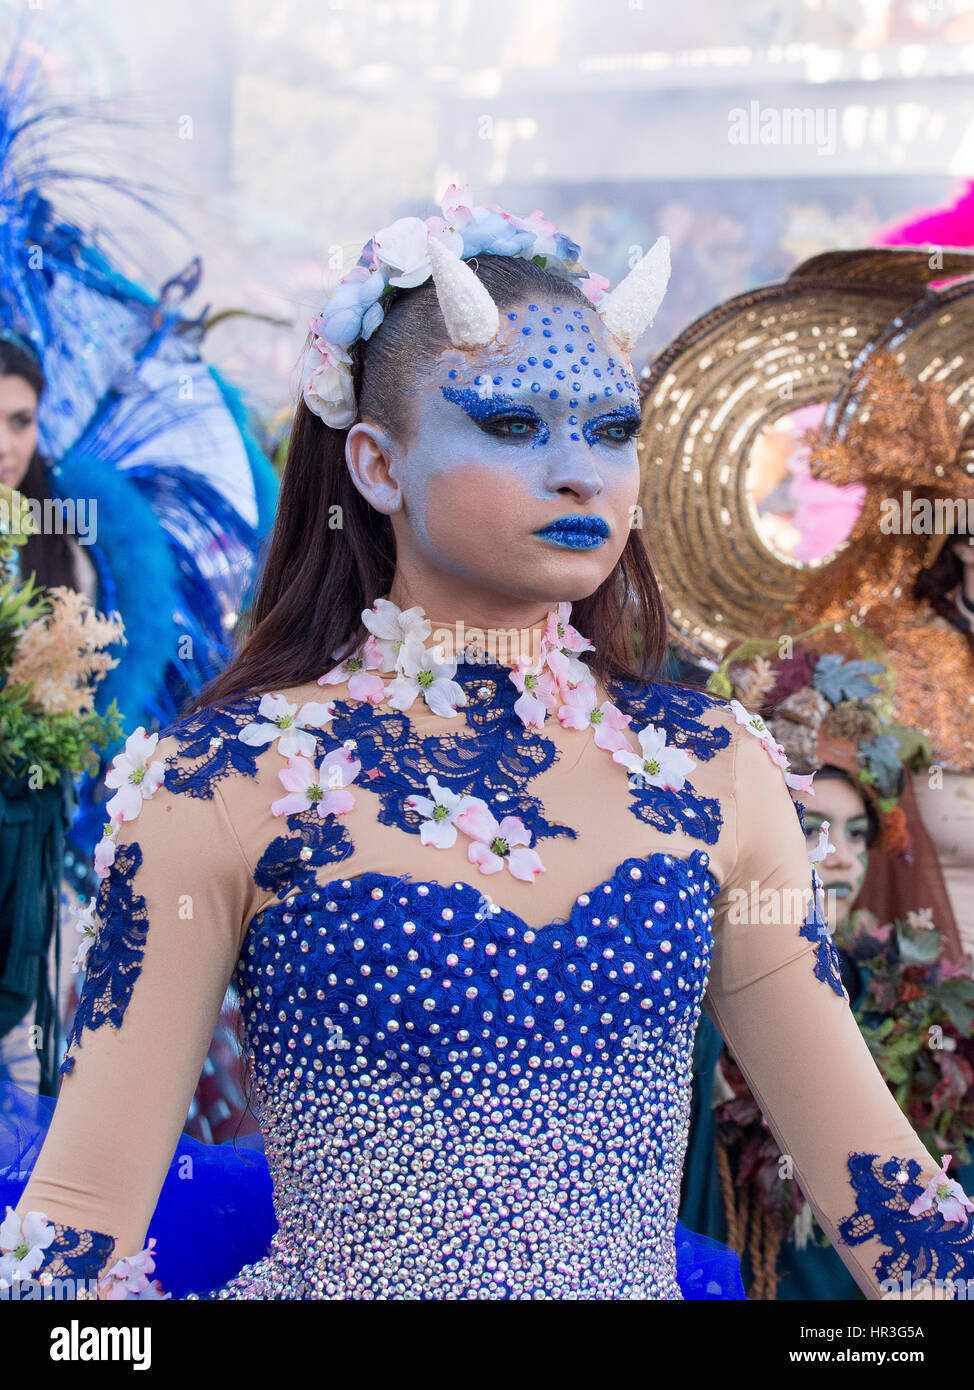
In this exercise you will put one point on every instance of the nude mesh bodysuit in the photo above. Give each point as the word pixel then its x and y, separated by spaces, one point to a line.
pixel 471 1085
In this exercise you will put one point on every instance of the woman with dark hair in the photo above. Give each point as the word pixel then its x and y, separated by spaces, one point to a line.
pixel 472 864
pixel 33 826
pixel 945 794
pixel 54 556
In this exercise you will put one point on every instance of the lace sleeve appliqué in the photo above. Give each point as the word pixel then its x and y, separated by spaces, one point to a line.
pixel 678 709
pixel 290 861
pixel 816 928
pixel 926 1246
pixel 114 961
pixel 76 1254
pixel 211 750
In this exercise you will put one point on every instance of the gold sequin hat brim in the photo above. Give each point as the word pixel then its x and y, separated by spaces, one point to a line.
pixel 744 365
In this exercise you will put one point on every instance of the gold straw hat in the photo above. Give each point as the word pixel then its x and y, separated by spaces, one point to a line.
pixel 862 333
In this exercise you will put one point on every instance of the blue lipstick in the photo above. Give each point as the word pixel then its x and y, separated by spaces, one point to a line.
pixel 576 532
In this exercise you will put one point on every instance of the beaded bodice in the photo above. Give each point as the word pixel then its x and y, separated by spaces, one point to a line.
pixel 467 1107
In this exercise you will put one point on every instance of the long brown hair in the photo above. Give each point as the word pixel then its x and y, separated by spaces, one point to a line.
pixel 331 555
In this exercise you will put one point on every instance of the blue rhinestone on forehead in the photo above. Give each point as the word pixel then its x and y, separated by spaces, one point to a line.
pixel 532 370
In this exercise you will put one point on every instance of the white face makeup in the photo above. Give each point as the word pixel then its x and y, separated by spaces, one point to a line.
pixel 522 474
pixel 18 428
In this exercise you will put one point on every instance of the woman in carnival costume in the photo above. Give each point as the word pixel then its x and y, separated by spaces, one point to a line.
pixel 472 866
pixel 832 717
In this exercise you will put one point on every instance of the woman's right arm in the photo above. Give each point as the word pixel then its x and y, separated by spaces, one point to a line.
pixel 170 918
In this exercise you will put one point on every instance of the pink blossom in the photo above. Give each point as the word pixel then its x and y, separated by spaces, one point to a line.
pixel 608 729
pixel 457 204
pixel 441 230
pixel 323 789
pixel 539 689
pixel 133 776
pixel 593 287
pixel 951 1200
pixel 356 670
pixel 105 849
pixel 496 844
pixel 131 1274
pixel 534 222
pixel 607 722
pixel 560 634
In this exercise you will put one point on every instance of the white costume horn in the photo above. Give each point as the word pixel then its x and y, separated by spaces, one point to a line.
pixel 470 314
pixel 629 309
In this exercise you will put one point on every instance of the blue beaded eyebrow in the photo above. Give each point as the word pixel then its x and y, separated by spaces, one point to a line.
pixel 625 415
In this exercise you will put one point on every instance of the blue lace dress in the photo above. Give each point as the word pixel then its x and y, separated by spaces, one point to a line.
pixel 469 1084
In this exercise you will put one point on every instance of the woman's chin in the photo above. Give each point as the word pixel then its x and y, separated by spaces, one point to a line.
pixel 574 572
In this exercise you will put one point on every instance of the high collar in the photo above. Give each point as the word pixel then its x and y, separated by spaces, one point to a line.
pixel 475 646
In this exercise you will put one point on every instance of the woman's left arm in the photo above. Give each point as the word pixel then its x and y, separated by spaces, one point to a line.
pixel 776 996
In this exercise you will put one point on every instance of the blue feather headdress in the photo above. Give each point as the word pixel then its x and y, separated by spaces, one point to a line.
pixel 134 421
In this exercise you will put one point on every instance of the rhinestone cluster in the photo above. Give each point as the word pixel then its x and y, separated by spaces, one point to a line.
pixel 456 1105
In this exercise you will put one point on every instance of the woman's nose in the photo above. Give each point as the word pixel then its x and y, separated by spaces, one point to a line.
pixel 841 855
pixel 570 468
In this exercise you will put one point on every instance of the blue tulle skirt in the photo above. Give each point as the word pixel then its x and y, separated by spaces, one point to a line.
pixel 207 1226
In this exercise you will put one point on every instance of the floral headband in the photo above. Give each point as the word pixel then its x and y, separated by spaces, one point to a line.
pixel 822 708
pixel 410 250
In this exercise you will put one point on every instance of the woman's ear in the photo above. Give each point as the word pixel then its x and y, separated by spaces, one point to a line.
pixel 372 457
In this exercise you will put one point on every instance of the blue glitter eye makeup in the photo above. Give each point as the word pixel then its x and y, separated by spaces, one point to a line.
pixel 613 426
pixel 500 416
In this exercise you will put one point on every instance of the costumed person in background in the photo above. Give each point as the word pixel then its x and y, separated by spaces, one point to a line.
pixel 153 494
pixel 33 997
pixel 832 718
pixel 906 575
pixel 472 865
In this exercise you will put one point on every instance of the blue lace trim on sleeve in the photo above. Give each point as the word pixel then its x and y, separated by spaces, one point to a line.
pixel 679 709
pixel 927 1246
pixel 76 1254
pixel 114 962
pixel 210 749
pixel 828 967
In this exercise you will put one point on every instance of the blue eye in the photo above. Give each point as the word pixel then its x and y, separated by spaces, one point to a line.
pixel 618 434
pixel 616 427
pixel 514 427
pixel 518 426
